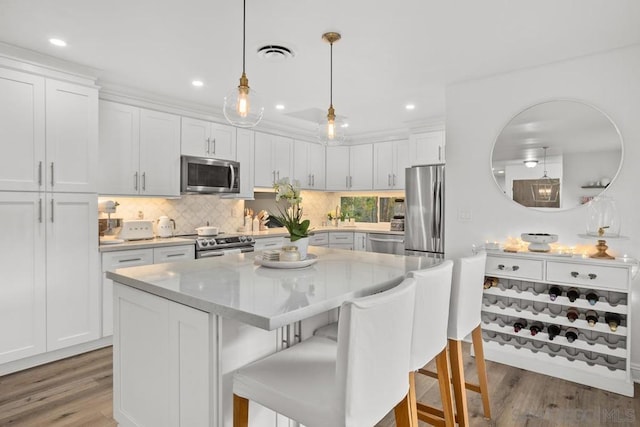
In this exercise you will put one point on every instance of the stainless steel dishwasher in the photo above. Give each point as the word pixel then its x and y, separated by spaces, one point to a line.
pixel 385 243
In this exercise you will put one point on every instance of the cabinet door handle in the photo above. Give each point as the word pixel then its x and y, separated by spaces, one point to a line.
pixel 309 180
pixel 40 174
pixel 394 179
pixel 440 153
pixel 52 204
pixel 214 146
pixel 40 210
pixel 274 176
pixel 313 180
pixel 207 146
pixel 278 173
pixel 389 180
pixel 144 181
pixel 135 181
pixel 175 255
pixel 129 260
pixel 52 170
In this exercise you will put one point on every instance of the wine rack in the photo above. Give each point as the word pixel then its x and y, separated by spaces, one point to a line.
pixel 599 357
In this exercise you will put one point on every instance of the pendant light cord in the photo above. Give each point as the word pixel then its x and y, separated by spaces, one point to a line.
pixel 331 75
pixel 244 30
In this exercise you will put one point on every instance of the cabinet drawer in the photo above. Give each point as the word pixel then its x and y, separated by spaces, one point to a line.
pixel 513 267
pixel 268 243
pixel 588 275
pixel 130 258
pixel 319 239
pixel 174 253
pixel 339 237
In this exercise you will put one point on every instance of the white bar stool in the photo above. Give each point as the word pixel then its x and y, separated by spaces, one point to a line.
pixel 355 381
pixel 465 319
pixel 429 341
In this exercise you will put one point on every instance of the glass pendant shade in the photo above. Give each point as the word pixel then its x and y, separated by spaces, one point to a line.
pixel 603 218
pixel 243 107
pixel 331 131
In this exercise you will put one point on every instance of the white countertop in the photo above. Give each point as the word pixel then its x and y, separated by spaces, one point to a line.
pixel 234 287
pixel 148 243
pixel 282 232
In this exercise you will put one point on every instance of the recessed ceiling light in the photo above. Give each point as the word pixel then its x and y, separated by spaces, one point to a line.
pixel 531 163
pixel 410 107
pixel 58 42
pixel 197 83
pixel 344 125
pixel 279 107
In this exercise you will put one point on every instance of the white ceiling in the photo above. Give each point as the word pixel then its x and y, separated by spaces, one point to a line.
pixel 391 53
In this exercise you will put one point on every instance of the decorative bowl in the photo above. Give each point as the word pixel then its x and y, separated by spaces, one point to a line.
pixel 539 242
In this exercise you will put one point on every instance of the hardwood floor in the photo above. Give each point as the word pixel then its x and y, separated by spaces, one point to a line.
pixel 78 392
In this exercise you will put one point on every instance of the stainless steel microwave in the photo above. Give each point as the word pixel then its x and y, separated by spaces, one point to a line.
pixel 201 175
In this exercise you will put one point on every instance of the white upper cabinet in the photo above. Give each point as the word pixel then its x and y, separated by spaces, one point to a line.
pixel 72 137
pixel 21 131
pixel 206 139
pixel 350 167
pixel 245 141
pixel 337 176
pixel 273 159
pixel 308 165
pixel 427 148
pixel 389 162
pixel 159 153
pixel 139 151
pixel 48 134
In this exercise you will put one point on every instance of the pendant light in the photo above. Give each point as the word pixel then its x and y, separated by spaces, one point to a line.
pixel 242 106
pixel 546 189
pixel 332 131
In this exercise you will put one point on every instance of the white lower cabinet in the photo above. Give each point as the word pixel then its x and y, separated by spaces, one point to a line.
pixel 319 239
pixel 173 365
pixel 341 240
pixel 599 356
pixel 264 243
pixel 49 260
pixel 134 258
pixel 360 241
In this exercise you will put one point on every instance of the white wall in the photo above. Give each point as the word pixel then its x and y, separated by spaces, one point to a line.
pixel 478 110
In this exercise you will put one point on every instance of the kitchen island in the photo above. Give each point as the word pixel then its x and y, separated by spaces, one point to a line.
pixel 182 329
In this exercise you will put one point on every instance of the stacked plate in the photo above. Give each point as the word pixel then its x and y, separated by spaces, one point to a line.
pixel 271 255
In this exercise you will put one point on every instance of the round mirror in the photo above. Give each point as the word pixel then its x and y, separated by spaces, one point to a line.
pixel 556 155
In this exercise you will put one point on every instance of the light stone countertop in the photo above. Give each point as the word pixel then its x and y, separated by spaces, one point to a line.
pixel 235 287
pixel 156 242
pixel 282 232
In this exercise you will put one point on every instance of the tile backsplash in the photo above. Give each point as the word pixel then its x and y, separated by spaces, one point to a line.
pixel 191 211
pixel 188 211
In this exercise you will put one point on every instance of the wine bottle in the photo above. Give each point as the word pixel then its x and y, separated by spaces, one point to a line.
pixel 573 294
pixel 571 334
pixel 519 324
pixel 490 282
pixel 572 314
pixel 592 318
pixel 613 320
pixel 536 327
pixel 554 292
pixel 592 297
pixel 553 331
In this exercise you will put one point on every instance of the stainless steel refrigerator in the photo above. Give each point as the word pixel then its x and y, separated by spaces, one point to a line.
pixel 424 211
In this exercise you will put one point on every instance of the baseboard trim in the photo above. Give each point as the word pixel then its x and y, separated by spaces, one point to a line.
pixel 52 356
pixel 635 372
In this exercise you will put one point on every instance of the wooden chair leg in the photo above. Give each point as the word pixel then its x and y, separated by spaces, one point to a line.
pixel 405 411
pixel 444 373
pixel 240 411
pixel 459 389
pixel 476 337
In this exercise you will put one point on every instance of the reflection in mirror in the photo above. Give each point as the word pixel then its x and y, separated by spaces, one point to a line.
pixel 556 155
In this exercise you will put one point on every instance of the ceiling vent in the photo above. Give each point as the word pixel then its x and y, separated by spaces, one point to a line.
pixel 274 51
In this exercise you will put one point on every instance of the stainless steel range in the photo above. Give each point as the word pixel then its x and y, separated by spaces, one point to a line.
pixel 217 246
